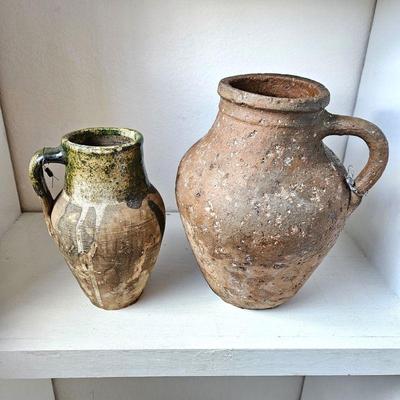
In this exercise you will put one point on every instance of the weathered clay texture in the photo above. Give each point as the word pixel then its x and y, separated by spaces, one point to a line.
pixel 262 199
pixel 109 220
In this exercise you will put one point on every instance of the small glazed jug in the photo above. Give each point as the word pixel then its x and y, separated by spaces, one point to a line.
pixel 261 198
pixel 108 221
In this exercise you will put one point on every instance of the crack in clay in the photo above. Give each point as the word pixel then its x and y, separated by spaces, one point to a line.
pixel 78 229
pixel 98 215
pixel 92 276
pixel 87 259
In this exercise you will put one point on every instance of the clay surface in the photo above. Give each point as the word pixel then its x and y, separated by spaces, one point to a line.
pixel 109 220
pixel 261 198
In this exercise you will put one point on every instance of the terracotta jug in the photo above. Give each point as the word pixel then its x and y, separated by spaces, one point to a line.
pixel 261 198
pixel 108 221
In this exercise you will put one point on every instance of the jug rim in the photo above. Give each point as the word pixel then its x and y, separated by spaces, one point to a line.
pixel 97 139
pixel 270 91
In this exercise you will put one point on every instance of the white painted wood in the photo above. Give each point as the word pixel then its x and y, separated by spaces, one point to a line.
pixel 344 321
pixel 352 388
pixel 195 388
pixel 9 202
pixel 155 65
pixel 26 389
pixel 375 226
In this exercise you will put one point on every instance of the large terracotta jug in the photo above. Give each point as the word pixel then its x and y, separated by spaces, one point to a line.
pixel 108 221
pixel 262 199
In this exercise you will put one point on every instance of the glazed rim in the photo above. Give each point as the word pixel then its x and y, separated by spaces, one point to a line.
pixel 102 139
pixel 274 92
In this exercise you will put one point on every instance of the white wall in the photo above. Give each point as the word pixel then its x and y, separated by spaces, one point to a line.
pixel 9 202
pixel 155 65
pixel 376 224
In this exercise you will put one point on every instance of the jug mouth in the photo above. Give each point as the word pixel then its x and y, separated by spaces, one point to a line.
pixel 274 92
pixel 102 139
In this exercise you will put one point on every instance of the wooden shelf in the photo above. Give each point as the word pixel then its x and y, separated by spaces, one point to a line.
pixel 344 321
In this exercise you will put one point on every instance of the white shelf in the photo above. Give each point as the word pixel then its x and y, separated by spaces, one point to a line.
pixel 344 321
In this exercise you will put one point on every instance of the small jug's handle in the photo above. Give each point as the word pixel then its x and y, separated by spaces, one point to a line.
pixel 378 151
pixel 39 159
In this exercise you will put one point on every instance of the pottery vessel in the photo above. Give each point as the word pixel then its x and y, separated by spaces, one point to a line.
pixel 262 199
pixel 108 221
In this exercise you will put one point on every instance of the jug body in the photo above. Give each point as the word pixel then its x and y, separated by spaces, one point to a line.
pixel 262 199
pixel 108 221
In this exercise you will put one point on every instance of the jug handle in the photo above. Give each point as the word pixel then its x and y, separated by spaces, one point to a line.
pixel 378 152
pixel 40 158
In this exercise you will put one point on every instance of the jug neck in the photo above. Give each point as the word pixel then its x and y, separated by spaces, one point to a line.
pixel 273 99
pixel 105 166
pixel 271 118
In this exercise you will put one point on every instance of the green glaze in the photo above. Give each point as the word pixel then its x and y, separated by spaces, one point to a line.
pixel 101 164
pixel 100 167
pixel 41 157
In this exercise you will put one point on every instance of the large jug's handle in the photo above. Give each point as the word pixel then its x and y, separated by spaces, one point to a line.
pixel 378 152
pixel 39 159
